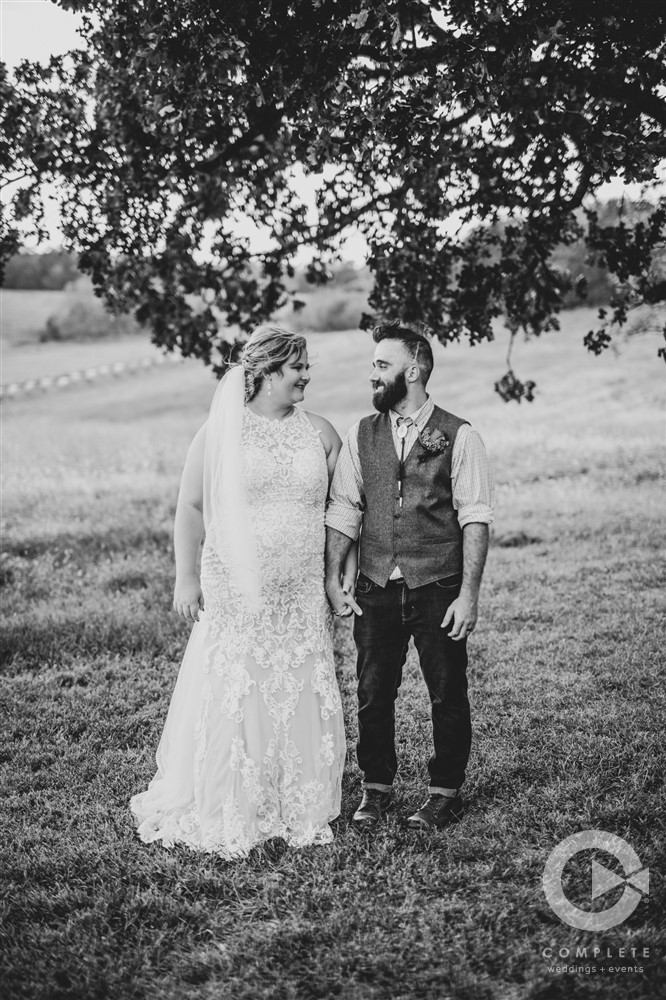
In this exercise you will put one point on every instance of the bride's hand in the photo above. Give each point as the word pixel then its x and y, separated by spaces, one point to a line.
pixel 342 602
pixel 188 598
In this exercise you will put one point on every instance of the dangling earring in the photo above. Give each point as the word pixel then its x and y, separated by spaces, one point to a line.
pixel 270 384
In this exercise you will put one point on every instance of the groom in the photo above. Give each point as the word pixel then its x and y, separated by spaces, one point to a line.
pixel 415 482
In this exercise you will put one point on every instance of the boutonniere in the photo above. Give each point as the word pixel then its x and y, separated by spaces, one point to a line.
pixel 434 442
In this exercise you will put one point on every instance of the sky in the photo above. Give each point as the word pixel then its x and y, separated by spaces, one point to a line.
pixel 37 29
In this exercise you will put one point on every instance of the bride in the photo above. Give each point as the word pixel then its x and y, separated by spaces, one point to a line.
pixel 253 746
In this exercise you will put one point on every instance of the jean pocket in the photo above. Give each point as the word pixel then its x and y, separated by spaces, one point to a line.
pixel 364 585
pixel 450 583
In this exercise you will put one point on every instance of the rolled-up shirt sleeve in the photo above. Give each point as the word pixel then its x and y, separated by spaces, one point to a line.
pixel 472 479
pixel 344 510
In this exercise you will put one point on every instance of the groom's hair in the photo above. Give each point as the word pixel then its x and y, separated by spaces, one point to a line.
pixel 414 340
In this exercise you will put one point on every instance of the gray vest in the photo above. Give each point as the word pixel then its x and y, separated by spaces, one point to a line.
pixel 422 536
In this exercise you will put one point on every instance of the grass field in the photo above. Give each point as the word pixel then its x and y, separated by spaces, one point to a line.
pixel 567 689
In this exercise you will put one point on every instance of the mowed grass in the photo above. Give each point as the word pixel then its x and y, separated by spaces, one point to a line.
pixel 566 677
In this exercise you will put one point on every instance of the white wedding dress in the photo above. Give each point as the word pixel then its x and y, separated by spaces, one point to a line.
pixel 254 744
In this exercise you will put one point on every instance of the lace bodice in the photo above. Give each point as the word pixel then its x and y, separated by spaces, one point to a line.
pixel 286 480
pixel 283 461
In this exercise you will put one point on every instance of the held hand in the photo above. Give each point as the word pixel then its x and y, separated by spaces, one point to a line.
pixel 463 612
pixel 342 602
pixel 188 598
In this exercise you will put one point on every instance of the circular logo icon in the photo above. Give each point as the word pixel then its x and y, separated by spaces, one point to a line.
pixel 636 880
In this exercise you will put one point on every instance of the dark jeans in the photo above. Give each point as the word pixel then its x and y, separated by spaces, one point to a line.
pixel 391 616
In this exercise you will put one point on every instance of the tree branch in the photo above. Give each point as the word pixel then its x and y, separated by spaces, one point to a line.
pixel 601 85
pixel 576 199
pixel 14 180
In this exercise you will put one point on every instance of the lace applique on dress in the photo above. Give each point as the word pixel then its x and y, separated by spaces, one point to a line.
pixel 254 744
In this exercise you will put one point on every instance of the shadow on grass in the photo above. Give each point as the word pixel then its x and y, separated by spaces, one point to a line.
pixel 55 641
pixel 90 544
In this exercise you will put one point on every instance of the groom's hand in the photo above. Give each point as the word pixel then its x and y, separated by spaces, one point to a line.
pixel 342 601
pixel 463 612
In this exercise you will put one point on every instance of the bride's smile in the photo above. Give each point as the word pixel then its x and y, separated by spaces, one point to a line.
pixel 295 377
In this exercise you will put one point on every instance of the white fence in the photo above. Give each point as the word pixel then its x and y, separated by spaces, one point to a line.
pixel 13 390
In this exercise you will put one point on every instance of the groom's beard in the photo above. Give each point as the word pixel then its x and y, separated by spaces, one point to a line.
pixel 386 395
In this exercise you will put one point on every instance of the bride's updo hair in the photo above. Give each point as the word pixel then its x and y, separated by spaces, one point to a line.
pixel 268 349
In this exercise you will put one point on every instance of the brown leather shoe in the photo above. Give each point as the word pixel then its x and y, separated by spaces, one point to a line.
pixel 439 811
pixel 372 808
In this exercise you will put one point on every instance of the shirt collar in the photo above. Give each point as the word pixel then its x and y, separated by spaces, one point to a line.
pixel 420 416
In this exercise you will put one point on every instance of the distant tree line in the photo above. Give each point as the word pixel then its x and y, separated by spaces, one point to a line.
pixel 54 270
pixel 41 271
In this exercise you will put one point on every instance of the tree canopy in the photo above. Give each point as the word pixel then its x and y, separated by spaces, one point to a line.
pixel 465 139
